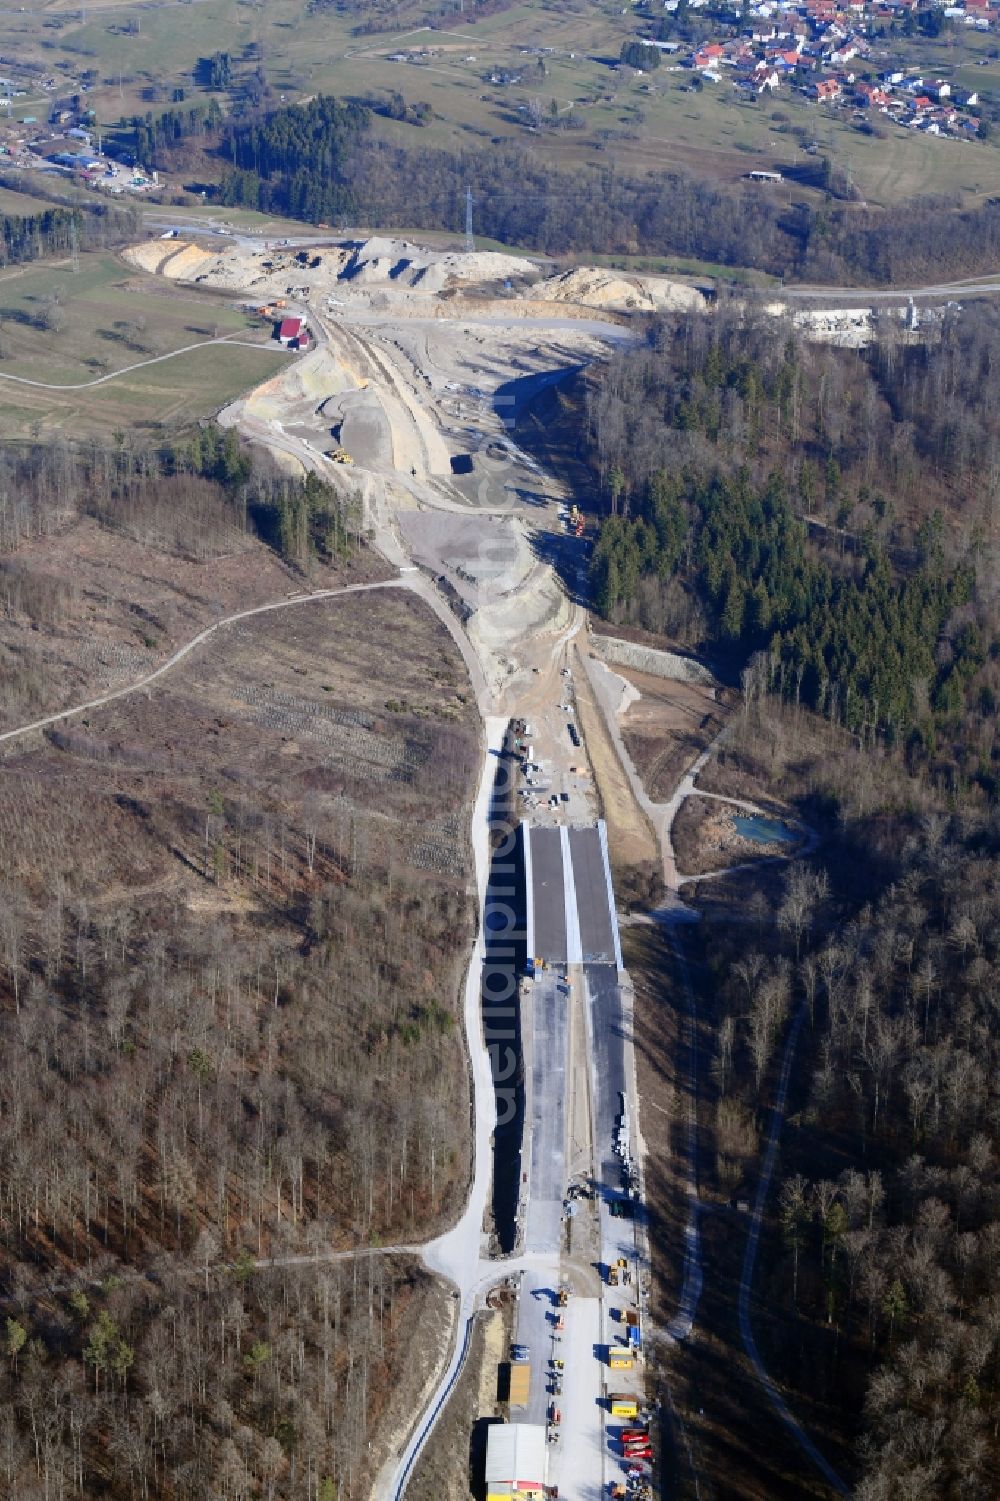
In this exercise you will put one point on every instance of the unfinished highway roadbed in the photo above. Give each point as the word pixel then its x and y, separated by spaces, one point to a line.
pixel 573 918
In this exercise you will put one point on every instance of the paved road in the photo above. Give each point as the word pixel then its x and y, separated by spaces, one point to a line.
pixel 593 898
pixel 948 289
pixel 548 895
pixel 536 1315
pixel 457 1255
pixel 549 1021
pixel 572 897
pixel 578 1463
pixel 608 1039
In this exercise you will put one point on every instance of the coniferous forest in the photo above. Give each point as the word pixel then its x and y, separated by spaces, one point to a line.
pixel 759 505
pixel 322 161
pixel 821 524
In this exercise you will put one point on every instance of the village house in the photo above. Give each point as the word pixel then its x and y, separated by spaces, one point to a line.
pixel 784 41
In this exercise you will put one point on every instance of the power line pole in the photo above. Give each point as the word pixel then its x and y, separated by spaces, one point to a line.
pixel 470 243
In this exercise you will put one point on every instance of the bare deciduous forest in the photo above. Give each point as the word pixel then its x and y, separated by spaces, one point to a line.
pixel 875 1298
pixel 234 915
pixel 112 557
pixel 822 522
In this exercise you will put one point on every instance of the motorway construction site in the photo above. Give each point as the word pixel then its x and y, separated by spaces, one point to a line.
pixel 423 363
pixel 423 391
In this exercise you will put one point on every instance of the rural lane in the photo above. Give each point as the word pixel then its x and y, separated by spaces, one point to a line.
pixel 157 359
pixel 775 1398
pixel 670 915
pixel 415 586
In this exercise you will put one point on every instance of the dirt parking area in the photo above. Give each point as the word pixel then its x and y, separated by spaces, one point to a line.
pixel 668 726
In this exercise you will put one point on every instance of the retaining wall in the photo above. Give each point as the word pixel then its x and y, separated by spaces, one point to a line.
pixel 661 664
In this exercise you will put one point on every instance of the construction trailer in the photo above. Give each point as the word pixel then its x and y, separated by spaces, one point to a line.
pixel 515 1461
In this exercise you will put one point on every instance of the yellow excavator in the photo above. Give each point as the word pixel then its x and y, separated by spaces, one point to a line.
pixel 339 456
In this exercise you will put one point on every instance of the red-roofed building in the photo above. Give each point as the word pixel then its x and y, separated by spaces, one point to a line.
pixel 786 59
pixel 708 57
pixel 289 329
pixel 870 94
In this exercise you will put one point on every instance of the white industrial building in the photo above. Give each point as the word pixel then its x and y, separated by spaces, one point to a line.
pixel 515 1461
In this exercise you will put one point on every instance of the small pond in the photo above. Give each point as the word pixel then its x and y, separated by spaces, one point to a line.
pixel 764 830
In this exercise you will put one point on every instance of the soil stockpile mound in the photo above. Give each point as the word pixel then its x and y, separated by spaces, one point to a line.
pixel 605 289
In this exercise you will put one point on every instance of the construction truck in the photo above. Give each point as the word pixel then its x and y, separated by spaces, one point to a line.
pixel 339 456
pixel 630 1445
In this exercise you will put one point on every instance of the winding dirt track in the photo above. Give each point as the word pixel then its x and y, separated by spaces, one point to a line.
pixel 157 359
pixel 189 647
pixel 415 585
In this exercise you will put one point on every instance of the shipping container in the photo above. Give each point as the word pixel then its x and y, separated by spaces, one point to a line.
pixel 520 1383
pixel 623 1405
